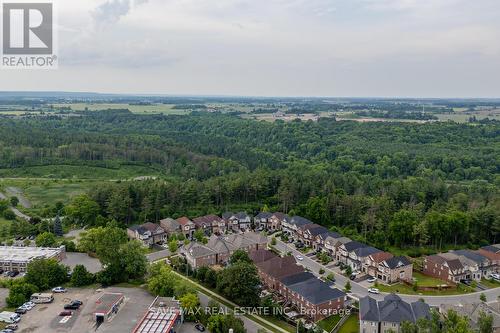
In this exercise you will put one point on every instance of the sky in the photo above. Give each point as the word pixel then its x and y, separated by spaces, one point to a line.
pixel 338 48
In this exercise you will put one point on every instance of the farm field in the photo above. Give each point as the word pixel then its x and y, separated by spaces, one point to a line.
pixel 139 109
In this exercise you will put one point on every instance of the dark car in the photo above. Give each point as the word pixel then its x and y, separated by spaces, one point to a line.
pixel 14 274
pixel 21 311
pixel 71 306
pixel 352 277
pixel 77 302
pixel 200 327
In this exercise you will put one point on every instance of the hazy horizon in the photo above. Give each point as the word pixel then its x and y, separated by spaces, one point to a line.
pixel 273 48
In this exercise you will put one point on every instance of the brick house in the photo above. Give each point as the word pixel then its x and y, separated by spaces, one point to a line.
pixel 210 224
pixel 198 255
pixel 292 226
pixel 237 221
pixel 276 268
pixel 450 270
pixel 276 221
pixel 373 260
pixel 147 233
pixel 187 226
pixel 261 220
pixel 395 269
pixel 312 297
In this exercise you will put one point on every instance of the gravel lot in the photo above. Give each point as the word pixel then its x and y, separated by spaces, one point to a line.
pixel 72 259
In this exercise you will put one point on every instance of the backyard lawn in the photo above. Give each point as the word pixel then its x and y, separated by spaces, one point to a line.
pixel 351 325
pixel 329 323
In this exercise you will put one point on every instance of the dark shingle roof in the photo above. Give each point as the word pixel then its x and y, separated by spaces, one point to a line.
pixel 351 246
pixel 263 215
pixel 491 248
pixel 476 257
pixel 280 267
pixel 392 309
pixel 297 278
pixel 368 309
pixel 395 262
pixel 365 251
pixel 316 291
pixel 261 255
pixel 299 221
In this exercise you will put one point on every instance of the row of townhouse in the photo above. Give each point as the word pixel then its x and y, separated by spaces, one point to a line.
pixel 313 297
pixel 360 257
pixel 219 249
pixel 460 265
pixel 151 233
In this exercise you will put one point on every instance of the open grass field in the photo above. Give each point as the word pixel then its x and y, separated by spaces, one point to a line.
pixel 78 172
pixel 139 109
pixel 42 192
pixel 351 325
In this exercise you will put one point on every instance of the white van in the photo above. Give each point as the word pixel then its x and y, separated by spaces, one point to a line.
pixel 9 317
pixel 42 298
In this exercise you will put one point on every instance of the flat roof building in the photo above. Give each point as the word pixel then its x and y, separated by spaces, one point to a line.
pixel 163 316
pixel 107 305
pixel 17 258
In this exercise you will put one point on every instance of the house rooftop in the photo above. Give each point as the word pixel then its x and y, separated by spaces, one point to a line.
pixel 396 262
pixel 316 291
pixel 392 309
pixel 280 267
pixel 261 255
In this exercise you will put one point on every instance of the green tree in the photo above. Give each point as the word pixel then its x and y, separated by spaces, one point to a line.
pixel 485 322
pixel 189 303
pixel 222 323
pixel 347 286
pixel 20 292
pixel 81 277
pixel 14 201
pixel 199 235
pixel 240 256
pixel 58 229
pixel 240 283
pixel 9 215
pixel 482 297
pixel 46 273
pixel 172 246
pixel 82 210
pixel 46 239
pixel 132 259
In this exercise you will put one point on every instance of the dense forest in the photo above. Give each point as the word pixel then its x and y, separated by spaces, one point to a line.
pixel 424 186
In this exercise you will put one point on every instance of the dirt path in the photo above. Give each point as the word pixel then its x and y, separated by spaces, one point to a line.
pixel 15 210
pixel 17 192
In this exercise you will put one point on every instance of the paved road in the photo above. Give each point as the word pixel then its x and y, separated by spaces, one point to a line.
pixel 15 210
pixel 358 290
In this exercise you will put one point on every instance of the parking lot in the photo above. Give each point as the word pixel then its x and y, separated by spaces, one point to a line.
pixel 45 317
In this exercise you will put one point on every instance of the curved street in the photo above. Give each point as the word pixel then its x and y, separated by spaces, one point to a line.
pixel 359 291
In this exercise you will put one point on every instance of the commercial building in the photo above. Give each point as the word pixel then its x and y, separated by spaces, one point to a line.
pixel 107 305
pixel 15 258
pixel 164 315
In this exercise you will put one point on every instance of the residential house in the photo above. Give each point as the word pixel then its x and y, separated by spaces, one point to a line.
pixel 187 226
pixel 493 257
pixel 313 298
pixel 292 226
pixel 473 311
pixel 272 270
pixel 210 224
pixel 276 221
pixel 373 260
pixel 147 233
pixel 198 255
pixel 224 246
pixel 344 250
pixel 471 268
pixel 395 269
pixel 484 265
pixel 261 255
pixel 357 257
pixel 237 221
pixel 492 248
pixel 170 226
pixel 332 245
pixel 387 315
pixel 321 237
pixel 261 220
pixel 450 270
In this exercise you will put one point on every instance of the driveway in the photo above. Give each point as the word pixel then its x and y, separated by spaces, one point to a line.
pixel 359 290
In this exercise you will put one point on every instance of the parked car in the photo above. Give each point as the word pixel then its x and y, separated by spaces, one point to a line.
pixel 352 277
pixel 76 302
pixel 7 330
pixel 65 313
pixel 372 279
pixel 373 291
pixel 21 310
pixel 495 276
pixel 299 257
pixel 59 290
pixel 71 306
pixel 11 327
pixel 200 327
